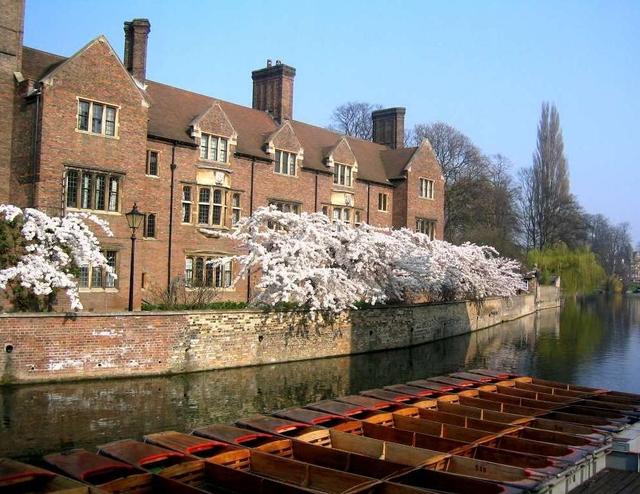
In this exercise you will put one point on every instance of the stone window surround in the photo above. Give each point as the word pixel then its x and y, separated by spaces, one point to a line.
pixel 146 170
pixel 426 226
pixel 226 269
pixel 104 289
pixel 91 101
pixel 429 190
pixel 79 189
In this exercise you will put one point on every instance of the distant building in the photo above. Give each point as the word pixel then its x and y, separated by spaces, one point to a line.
pixel 635 267
pixel 92 133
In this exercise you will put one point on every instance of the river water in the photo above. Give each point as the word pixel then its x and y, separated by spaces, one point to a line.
pixel 593 342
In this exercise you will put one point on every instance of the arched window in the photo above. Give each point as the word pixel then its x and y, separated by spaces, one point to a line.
pixel 150 225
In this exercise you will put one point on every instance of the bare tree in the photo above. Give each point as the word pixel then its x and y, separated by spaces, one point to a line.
pixel 549 213
pixel 613 246
pixel 354 119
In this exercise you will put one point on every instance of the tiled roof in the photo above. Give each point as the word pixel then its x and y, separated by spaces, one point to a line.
pixel 173 109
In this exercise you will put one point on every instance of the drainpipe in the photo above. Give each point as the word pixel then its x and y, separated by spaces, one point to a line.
pixel 34 153
pixel 173 172
pixel 315 203
pixel 253 167
pixel 368 201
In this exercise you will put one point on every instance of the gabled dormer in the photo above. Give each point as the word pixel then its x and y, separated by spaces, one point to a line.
pixel 285 149
pixel 342 162
pixel 215 134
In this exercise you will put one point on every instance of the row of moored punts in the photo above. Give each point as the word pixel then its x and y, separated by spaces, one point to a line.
pixel 473 432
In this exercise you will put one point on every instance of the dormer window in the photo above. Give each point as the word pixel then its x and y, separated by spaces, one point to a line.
pixel 285 163
pixel 213 148
pixel 342 175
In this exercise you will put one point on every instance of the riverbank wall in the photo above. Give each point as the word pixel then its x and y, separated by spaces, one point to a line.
pixel 55 347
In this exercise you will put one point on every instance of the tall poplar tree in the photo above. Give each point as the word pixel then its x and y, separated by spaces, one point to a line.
pixel 550 213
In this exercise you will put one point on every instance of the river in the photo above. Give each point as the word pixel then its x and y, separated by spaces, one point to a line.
pixel 594 342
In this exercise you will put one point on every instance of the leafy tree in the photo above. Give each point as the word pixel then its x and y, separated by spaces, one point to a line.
pixel 579 270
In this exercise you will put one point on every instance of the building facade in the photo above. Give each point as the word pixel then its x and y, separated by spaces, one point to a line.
pixel 91 133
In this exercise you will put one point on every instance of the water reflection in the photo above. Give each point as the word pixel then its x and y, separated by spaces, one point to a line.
pixel 592 342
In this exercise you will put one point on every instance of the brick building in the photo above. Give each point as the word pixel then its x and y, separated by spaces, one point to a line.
pixel 90 132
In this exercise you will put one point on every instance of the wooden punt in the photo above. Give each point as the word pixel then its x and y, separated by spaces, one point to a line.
pixel 518 420
pixel 493 373
pixel 374 403
pixel 632 397
pixel 415 391
pixel 316 417
pixel 114 476
pixel 374 417
pixel 578 398
pixel 605 424
pixel 143 455
pixel 297 473
pixel 557 452
pixel 189 444
pixel 192 471
pixel 453 381
pixel 476 378
pixel 17 477
pixel 432 385
pixel 326 457
pixel 234 435
pixel 385 394
pixel 517 431
pixel 455 484
pixel 615 413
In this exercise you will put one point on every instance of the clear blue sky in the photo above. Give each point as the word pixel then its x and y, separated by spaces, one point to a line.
pixel 483 67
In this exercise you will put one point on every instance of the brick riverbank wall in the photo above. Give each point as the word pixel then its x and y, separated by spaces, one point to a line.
pixel 47 347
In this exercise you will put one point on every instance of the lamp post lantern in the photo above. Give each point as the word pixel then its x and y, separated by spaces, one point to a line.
pixel 134 220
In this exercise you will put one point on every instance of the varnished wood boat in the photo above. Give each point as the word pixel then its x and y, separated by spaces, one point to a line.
pixel 628 397
pixel 316 417
pixel 508 388
pixel 359 412
pixel 433 386
pixel 455 484
pixel 453 381
pixel 196 473
pixel 385 394
pixel 114 476
pixel 415 391
pixel 17 477
pixel 188 444
pixel 586 431
pixel 474 377
pixel 499 375
pixel 567 414
pixel 378 404
pixel 297 473
pixel 317 455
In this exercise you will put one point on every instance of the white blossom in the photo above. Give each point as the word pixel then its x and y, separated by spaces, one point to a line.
pixel 54 247
pixel 308 260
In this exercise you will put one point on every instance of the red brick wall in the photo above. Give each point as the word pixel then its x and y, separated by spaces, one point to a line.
pixel 53 346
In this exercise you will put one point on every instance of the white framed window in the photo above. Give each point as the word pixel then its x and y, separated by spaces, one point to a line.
pixel 343 175
pixel 428 227
pixel 97 118
pixel 383 200
pixel 187 204
pixel 149 229
pixel 212 206
pixel 200 272
pixel 285 163
pixel 358 218
pixel 426 188
pixel 285 206
pixel 213 148
pixel 92 189
pixel 236 209
pixel 341 214
pixel 152 163
pixel 90 277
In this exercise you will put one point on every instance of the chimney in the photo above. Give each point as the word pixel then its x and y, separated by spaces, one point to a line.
pixel 136 34
pixel 273 90
pixel 388 127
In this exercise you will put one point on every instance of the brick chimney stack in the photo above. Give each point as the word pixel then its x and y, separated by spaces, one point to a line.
pixel 273 90
pixel 136 34
pixel 388 127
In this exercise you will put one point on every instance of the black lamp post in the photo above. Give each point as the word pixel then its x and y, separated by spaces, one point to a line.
pixel 134 220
